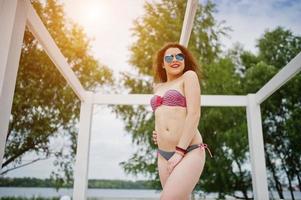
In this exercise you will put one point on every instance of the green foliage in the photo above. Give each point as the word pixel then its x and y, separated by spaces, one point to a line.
pixel 221 78
pixel 278 47
pixel 225 130
pixel 162 23
pixel 257 75
pixel 44 106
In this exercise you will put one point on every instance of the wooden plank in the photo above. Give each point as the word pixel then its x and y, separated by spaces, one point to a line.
pixel 12 25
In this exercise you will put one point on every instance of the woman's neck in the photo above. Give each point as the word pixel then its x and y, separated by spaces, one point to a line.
pixel 172 78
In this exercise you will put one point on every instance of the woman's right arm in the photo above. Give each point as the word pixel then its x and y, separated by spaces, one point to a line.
pixel 154 136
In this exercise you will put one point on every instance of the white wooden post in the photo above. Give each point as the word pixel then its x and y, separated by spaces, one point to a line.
pixel 188 21
pixel 83 149
pixel 259 176
pixel 12 27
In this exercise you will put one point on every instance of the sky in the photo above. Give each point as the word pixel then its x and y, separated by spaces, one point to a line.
pixel 108 23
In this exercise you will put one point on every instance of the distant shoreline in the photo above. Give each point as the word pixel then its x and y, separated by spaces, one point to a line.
pixel 92 183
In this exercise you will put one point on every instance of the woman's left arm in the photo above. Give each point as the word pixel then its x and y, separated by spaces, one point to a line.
pixel 192 92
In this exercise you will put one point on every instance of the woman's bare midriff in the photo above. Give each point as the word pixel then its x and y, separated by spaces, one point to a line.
pixel 170 120
pixel 169 124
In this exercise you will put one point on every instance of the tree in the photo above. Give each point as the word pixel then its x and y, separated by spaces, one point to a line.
pixel 280 112
pixel 225 130
pixel 44 106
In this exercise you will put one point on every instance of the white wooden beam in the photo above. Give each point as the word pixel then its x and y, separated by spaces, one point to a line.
pixel 12 27
pixel 144 99
pixel 224 100
pixel 256 146
pixel 284 75
pixel 83 149
pixel 191 8
pixel 40 32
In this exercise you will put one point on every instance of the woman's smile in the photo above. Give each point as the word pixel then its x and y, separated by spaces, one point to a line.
pixel 175 65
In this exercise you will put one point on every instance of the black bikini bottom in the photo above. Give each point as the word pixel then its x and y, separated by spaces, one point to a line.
pixel 168 154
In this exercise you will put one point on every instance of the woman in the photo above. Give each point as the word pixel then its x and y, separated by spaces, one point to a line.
pixel 176 105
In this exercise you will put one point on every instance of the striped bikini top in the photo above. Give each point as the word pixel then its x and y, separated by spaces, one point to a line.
pixel 170 98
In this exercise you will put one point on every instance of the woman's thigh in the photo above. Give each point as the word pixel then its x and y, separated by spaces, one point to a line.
pixel 162 168
pixel 181 182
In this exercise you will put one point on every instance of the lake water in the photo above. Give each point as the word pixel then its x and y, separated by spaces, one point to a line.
pixel 92 193
pixel 102 194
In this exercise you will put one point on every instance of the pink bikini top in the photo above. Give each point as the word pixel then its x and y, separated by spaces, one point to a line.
pixel 170 98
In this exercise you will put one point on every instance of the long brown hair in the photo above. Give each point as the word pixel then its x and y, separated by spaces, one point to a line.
pixel 190 62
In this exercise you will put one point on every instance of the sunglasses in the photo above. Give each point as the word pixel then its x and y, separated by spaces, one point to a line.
pixel 169 58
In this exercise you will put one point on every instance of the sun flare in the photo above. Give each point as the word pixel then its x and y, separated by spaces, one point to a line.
pixel 93 12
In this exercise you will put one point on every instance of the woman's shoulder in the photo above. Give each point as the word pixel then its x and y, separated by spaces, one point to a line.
pixel 190 74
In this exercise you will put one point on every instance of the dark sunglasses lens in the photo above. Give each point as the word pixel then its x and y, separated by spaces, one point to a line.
pixel 180 56
pixel 168 59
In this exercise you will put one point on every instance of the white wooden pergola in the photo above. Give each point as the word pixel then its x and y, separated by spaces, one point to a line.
pixel 16 14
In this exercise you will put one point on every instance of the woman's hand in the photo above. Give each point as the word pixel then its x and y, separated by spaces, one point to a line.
pixel 155 137
pixel 173 161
